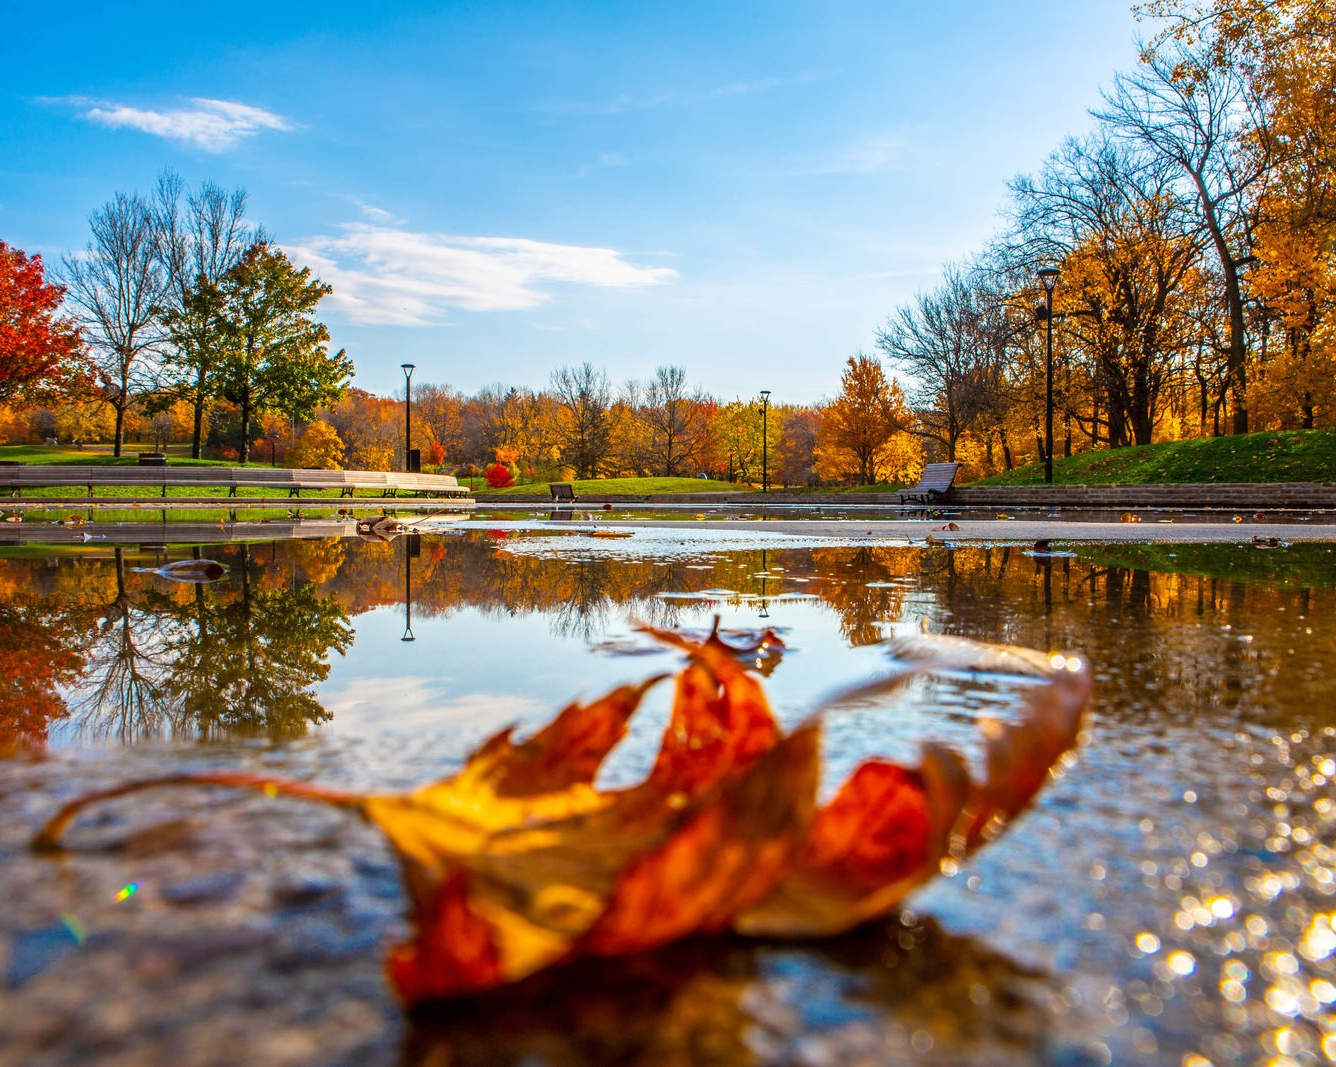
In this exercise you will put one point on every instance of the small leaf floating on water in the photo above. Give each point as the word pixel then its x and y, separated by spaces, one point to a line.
pixel 746 643
pixel 381 528
pixel 519 862
pixel 188 570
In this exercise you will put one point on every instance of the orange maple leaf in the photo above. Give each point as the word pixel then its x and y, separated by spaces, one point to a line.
pixel 518 862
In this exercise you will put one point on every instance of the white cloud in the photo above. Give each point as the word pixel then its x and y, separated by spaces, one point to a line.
pixel 878 152
pixel 387 276
pixel 371 211
pixel 213 125
pixel 605 159
pixel 669 98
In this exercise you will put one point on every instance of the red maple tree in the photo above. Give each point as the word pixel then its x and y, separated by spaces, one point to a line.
pixel 38 346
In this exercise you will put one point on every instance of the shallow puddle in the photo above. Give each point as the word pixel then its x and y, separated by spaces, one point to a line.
pixel 1170 897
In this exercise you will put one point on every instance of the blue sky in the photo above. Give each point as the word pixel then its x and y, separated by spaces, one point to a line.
pixel 496 190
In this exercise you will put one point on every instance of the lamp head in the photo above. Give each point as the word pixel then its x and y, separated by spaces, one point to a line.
pixel 765 396
pixel 408 369
pixel 1048 277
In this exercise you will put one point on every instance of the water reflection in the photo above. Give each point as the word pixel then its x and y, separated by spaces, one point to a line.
pixel 886 994
pixel 89 641
pixel 1170 898
pixel 110 652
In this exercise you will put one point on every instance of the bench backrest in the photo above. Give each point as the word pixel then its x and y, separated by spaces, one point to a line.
pixel 562 490
pixel 938 476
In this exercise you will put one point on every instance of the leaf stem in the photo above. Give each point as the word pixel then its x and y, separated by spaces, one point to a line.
pixel 48 838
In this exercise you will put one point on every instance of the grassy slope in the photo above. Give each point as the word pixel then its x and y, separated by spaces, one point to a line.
pixel 1299 565
pixel 1279 456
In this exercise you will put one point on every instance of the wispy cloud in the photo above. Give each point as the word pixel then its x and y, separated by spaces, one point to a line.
pixel 385 275
pixel 868 155
pixel 625 102
pixel 213 125
pixel 605 159
pixel 372 212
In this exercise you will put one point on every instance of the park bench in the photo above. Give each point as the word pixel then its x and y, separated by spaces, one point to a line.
pixel 934 483
pixel 208 481
pixel 562 491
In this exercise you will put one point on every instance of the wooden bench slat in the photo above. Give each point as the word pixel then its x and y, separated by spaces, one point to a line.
pixel 935 481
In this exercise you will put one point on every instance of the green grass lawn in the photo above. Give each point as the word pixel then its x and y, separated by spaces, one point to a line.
pixel 612 486
pixel 1272 456
pixel 95 455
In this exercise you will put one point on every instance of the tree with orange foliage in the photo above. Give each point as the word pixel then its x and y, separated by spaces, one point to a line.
pixel 38 346
pixel 863 427
pixel 1283 53
pixel 1131 262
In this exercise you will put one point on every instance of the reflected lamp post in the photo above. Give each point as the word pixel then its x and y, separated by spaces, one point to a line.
pixel 1048 278
pixel 273 449
pixel 408 369
pixel 765 441
pixel 411 549
pixel 764 612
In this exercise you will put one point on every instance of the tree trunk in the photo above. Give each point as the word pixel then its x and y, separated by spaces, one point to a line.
pixel 243 452
pixel 1236 371
pixel 197 434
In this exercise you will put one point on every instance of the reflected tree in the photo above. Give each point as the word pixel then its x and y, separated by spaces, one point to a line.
pixel 39 654
pixel 248 664
pixel 128 659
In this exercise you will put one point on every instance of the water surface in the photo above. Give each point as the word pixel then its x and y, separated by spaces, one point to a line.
pixel 1170 897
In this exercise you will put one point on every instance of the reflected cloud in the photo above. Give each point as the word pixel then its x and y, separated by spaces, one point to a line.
pixel 360 707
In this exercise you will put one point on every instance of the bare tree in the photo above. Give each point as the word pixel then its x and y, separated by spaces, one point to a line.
pixel 795 453
pixel 952 346
pixel 675 423
pixel 115 287
pixel 197 244
pixel 1195 115
pixel 585 397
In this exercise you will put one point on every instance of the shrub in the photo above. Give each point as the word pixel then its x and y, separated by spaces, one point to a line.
pixel 498 476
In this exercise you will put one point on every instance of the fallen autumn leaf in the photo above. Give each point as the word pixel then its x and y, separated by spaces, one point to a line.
pixel 519 863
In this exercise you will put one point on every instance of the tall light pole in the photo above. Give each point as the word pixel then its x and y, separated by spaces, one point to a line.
pixel 1048 278
pixel 273 449
pixel 408 369
pixel 765 441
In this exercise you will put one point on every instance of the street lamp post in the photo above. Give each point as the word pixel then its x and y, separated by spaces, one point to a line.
pixel 273 449
pixel 408 369
pixel 1048 278
pixel 765 441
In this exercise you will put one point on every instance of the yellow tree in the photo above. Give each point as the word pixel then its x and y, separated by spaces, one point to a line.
pixel 1284 51
pixel 865 430
pixel 1294 66
pixel 81 422
pixel 318 448
pixel 735 428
